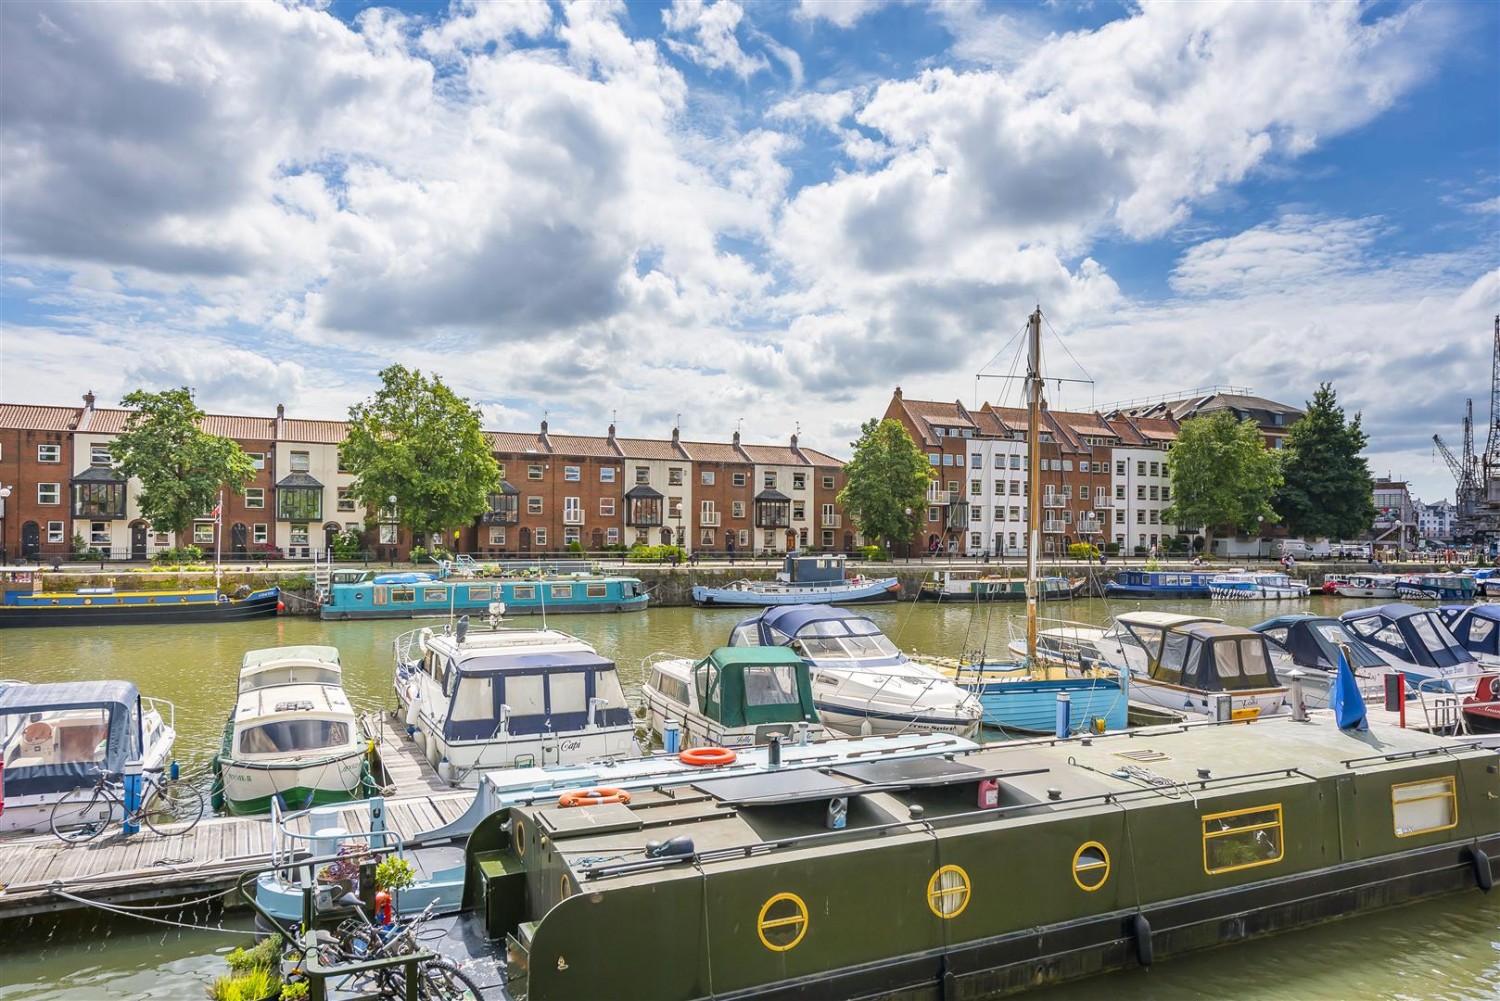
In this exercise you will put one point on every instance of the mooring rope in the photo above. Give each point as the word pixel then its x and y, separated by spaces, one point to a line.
pixel 124 912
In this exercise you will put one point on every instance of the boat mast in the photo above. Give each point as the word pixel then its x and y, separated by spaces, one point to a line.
pixel 1033 473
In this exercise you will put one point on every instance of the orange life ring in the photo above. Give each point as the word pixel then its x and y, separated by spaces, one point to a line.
pixel 593 797
pixel 707 757
pixel 37 733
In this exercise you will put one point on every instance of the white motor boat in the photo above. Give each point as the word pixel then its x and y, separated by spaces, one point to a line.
pixel 1256 586
pixel 1309 644
pixel 509 698
pixel 293 736
pixel 1415 642
pixel 1183 662
pixel 734 697
pixel 1369 585
pixel 59 736
pixel 862 683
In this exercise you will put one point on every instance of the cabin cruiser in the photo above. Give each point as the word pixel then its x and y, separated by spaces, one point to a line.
pixel 1310 643
pixel 734 697
pixel 1414 641
pixel 1477 629
pixel 508 698
pixel 805 578
pixel 1253 586
pixel 59 736
pixel 1436 587
pixel 862 683
pixel 1182 662
pixel 293 737
pixel 1369 585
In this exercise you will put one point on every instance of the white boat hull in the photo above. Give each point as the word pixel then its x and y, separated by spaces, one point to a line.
pixel 1265 701
pixel 328 778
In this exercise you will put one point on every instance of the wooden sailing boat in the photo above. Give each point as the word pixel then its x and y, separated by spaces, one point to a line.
pixel 1027 696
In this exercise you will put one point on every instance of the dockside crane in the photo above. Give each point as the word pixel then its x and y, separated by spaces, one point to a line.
pixel 1483 524
pixel 1464 468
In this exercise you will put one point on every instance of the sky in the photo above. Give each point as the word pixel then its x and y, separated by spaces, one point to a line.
pixel 755 216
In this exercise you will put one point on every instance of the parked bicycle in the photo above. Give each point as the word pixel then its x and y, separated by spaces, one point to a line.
pixel 168 806
pixel 357 941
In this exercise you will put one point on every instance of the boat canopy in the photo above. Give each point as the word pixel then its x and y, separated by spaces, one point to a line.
pixel 1416 635
pixel 751 686
pixel 59 736
pixel 821 633
pixel 533 692
pixel 824 568
pixel 1476 627
pixel 290 665
pixel 1312 641
pixel 1213 657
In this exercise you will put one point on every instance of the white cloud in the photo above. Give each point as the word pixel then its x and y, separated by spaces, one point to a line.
pixel 842 13
pixel 714 26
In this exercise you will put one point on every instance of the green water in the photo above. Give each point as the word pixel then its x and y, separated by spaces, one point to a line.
pixel 1448 948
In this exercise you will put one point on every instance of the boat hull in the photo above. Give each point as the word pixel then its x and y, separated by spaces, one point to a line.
pixel 340 614
pixel 261 605
pixel 1113 590
pixel 1030 706
pixel 888 589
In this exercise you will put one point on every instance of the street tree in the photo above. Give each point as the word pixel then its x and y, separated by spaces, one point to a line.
pixel 182 468
pixel 418 441
pixel 885 486
pixel 1328 491
pixel 1222 476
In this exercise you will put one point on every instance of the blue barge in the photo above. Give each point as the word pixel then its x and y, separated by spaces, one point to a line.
pixel 1160 584
pixel 366 594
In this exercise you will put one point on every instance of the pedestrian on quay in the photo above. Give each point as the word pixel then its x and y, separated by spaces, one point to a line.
pixel 730 546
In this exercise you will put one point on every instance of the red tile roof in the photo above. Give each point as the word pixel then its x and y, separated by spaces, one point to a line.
pixel 584 445
pixel 714 451
pixel 648 448
pixel 29 418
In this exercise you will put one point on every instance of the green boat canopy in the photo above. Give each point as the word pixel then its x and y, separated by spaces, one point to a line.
pixel 753 685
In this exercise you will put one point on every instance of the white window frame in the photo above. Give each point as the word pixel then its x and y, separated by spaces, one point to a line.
pixel 255 498
pixel 44 491
pixel 49 449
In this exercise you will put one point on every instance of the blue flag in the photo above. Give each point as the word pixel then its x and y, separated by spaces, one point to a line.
pixel 1347 704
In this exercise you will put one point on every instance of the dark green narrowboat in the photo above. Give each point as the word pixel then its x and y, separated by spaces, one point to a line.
pixel 979 873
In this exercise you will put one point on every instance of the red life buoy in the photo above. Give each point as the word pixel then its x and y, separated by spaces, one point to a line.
pixel 704 757
pixel 593 797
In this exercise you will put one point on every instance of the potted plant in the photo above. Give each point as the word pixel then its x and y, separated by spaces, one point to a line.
pixel 343 872
pixel 393 875
pixel 254 974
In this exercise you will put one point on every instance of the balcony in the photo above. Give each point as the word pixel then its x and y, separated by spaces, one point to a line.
pixel 1054 501
pixel 936 495
pixel 708 519
pixel 832 521
pixel 572 516
pixel 1088 526
pixel 1055 527
pixel 1104 502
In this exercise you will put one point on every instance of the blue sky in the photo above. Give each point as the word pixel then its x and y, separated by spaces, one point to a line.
pixel 764 215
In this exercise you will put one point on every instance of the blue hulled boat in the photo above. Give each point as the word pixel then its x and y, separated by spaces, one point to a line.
pixel 1160 584
pixel 819 579
pixel 367 594
pixel 22 603
pixel 1436 587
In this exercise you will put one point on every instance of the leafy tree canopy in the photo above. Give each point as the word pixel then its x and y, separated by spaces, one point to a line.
pixel 181 467
pixel 1222 474
pixel 1328 491
pixel 887 477
pixel 419 442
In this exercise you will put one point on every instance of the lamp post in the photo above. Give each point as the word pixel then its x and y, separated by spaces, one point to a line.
pixel 907 512
pixel 4 551
pixel 394 542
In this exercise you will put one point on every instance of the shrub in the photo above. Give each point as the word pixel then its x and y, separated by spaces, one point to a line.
pixel 1083 551
pixel 575 546
pixel 418 554
pixel 297 991
pixel 181 554
pixel 394 873
pixel 657 554
pixel 871 552
pixel 248 985
pixel 347 545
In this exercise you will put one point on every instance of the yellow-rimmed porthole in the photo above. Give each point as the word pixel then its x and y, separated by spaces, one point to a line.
pixel 518 837
pixel 948 891
pixel 1090 865
pixel 564 887
pixel 1425 806
pixel 1242 839
pixel 782 922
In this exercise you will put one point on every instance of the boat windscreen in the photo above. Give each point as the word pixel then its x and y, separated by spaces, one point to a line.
pixel 298 675
pixel 745 634
pixel 294 736
pixel 1441 647
pixel 771 685
pixel 1146 637
pixel 1330 634
pixel 1382 633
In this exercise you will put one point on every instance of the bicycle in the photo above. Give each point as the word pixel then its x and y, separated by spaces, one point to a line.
pixel 359 940
pixel 168 806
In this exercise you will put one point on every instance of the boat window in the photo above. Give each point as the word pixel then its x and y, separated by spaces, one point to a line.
pixel 523 693
pixel 562 591
pixel 1173 657
pixel 1146 637
pixel 1240 840
pixel 475 699
pixel 1481 632
pixel 403 594
pixel 1253 661
pixel 1277 635
pixel 567 692
pixel 1090 866
pixel 771 685
pixel 708 674
pixel 524 592
pixel 862 627
pixel 1420 807
pixel 1382 633
pixel 607 687
pixel 299 675
pixel 292 736
pixel 1227 659
pixel 481 592
pixel 779 638
pixel 672 688
pixel 55 738
pixel 434 594
pixel 744 635
pixel 1428 635
pixel 596 590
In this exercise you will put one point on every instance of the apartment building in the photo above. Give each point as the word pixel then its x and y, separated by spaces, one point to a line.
pixel 1141 482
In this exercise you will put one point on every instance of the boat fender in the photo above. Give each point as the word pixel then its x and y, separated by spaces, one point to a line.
pixel 422 637
pixel 707 757
pixel 593 797
pixel 1484 875
pixel 666 849
pixel 413 705
pixel 1142 928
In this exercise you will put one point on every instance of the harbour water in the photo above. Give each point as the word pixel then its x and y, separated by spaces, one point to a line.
pixel 1448 948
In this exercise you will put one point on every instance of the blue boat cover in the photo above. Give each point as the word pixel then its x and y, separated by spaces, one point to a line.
pixel 1313 640
pixel 18 702
pixel 1415 634
pixel 1347 704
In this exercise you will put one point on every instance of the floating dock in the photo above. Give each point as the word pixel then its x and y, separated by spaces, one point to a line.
pixel 42 874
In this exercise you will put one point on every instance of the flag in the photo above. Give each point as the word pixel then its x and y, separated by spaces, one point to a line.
pixel 1347 704
pixel 214 514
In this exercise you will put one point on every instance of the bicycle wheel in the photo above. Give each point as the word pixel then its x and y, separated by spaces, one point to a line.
pixel 442 980
pixel 175 807
pixel 83 814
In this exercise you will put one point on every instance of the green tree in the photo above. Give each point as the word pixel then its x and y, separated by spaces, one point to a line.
pixel 1222 474
pixel 181 467
pixel 1328 491
pixel 885 487
pixel 421 443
